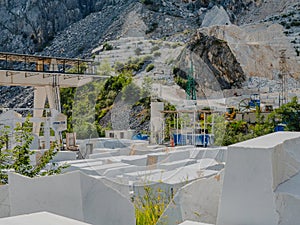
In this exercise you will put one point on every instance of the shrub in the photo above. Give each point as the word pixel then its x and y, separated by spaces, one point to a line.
pixel 157 54
pixel 18 160
pixel 149 67
pixel 150 207
pixel 147 2
pixel 107 46
pixel 154 48
pixel 295 23
pixel 152 28
pixel 138 51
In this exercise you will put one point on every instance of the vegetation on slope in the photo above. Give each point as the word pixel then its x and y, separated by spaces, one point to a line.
pixel 87 106
pixel 227 133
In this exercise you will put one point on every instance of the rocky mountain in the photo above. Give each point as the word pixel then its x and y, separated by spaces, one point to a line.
pixel 73 28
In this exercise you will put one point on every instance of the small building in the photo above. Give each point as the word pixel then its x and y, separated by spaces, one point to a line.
pixel 119 134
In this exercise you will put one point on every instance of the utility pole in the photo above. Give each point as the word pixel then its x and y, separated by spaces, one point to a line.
pixel 283 76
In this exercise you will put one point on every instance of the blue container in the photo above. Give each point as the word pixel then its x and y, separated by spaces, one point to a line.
pixel 279 127
pixel 142 137
pixel 177 139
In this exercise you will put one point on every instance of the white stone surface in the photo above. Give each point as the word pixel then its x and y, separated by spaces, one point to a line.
pixel 216 16
pixel 257 47
pixel 4 201
pixel 40 218
pixel 121 170
pixel 254 170
pixel 188 222
pixel 176 164
pixel 103 155
pixel 289 193
pixel 64 156
pixel 181 175
pixel 197 201
pixel 137 160
pixel 74 195
pixel 219 154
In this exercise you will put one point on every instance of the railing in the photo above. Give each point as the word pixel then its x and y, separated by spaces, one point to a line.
pixel 33 63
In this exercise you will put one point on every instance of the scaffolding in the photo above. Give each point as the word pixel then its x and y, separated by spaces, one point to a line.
pixel 192 132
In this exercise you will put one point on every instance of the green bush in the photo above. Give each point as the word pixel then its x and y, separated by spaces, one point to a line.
pixel 147 2
pixel 150 206
pixel 181 82
pixel 18 160
pixel 138 51
pixel 295 23
pixel 149 68
pixel 157 54
pixel 131 93
pixel 152 28
pixel 107 46
pixel 154 48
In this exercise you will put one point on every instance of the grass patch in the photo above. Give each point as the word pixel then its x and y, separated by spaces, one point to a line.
pixel 150 207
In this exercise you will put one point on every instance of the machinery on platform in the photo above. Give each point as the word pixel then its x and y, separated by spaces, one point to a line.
pixel 230 113
pixel 249 104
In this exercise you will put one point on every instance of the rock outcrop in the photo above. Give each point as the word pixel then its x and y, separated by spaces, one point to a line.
pixel 222 63
pixel 228 56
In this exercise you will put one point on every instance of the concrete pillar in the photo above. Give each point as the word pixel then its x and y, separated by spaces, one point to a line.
pixel 47 92
pixel 157 122
pixel 53 97
pixel 38 103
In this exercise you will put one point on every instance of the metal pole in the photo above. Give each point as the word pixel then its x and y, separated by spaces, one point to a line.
pixel 163 130
pixel 64 66
pixel 204 122
pixel 194 127
pixel 213 123
pixel 25 62
pixel 177 127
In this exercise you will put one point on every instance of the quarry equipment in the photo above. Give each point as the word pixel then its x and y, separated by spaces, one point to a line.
pixel 47 75
pixel 249 104
pixel 230 113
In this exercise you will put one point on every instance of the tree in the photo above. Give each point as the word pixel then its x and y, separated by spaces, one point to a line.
pixel 131 93
pixel 146 87
pixel 105 68
pixel 4 165
pixel 18 160
pixel 288 114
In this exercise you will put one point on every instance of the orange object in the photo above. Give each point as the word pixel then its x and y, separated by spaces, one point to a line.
pixel 172 143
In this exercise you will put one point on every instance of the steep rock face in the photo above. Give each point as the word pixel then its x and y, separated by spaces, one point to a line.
pixel 216 54
pixel 18 97
pixel 259 10
pixel 78 39
pixel 258 48
pixel 28 25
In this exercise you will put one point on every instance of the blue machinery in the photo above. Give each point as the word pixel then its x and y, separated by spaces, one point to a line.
pixel 249 103
pixel 193 139
pixel 193 134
